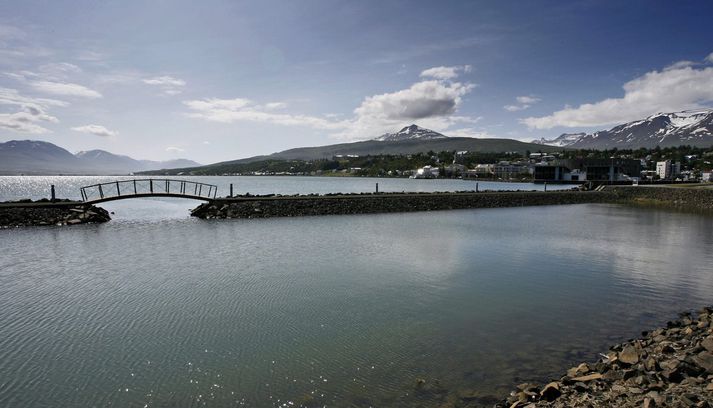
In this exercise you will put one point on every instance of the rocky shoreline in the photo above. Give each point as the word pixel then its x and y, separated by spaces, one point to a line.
pixel 44 212
pixel 666 367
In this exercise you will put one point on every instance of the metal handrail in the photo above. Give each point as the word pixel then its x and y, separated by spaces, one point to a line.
pixel 156 187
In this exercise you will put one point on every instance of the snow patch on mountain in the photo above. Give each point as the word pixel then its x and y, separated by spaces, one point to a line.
pixel 692 127
pixel 412 132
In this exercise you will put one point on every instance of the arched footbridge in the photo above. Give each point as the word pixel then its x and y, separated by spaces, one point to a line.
pixel 139 188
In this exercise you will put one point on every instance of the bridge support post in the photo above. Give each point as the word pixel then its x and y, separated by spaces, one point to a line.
pixel 231 189
pixel 151 185
pixel 52 192
pixel 377 187
pixel 118 189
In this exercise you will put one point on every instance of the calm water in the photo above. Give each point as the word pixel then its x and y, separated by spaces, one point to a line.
pixel 163 310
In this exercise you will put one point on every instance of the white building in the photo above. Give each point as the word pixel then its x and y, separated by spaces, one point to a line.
pixel 426 172
pixel 667 170
pixel 707 176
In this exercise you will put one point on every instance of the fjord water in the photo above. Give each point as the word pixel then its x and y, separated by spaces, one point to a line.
pixel 165 310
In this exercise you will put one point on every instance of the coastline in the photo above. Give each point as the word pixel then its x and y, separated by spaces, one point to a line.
pixel 669 366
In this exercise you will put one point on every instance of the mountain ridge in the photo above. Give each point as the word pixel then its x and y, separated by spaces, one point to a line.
pixel 45 158
pixel 690 127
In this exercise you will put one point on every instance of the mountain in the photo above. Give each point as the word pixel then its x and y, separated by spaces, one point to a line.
pixel 107 162
pixel 412 132
pixel 693 127
pixel 565 139
pixel 408 145
pixel 38 157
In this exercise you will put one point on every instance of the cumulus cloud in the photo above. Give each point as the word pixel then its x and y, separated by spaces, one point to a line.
pixel 445 72
pixel 96 130
pixel 433 103
pixel 669 90
pixel 422 100
pixel 174 149
pixel 65 89
pixel 523 102
pixel 26 121
pixel 29 112
pixel 168 84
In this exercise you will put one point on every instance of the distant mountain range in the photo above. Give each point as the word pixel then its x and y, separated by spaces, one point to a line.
pixel 409 140
pixel 44 158
pixel 693 128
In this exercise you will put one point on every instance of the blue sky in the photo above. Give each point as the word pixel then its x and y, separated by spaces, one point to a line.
pixel 218 80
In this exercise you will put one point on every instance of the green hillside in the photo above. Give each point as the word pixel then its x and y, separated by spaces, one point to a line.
pixel 372 147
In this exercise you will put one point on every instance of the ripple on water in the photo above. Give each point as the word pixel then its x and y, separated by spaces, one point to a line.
pixel 349 310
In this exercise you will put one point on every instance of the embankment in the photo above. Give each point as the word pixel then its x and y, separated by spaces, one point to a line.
pixel 44 212
pixel 667 367
pixel 681 198
pixel 305 205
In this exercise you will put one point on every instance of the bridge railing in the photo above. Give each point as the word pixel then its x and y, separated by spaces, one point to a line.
pixel 157 187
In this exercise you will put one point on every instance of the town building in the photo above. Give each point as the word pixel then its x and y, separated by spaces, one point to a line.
pixel 667 170
pixel 586 169
pixel 426 172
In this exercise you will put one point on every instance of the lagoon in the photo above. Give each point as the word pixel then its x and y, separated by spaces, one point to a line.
pixel 156 308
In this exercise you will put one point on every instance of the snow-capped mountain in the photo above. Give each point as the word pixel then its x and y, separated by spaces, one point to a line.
pixel 565 139
pixel 693 127
pixel 412 132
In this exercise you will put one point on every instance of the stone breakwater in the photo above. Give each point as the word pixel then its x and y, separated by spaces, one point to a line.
pixel 304 205
pixel 667 367
pixel 692 199
pixel 44 212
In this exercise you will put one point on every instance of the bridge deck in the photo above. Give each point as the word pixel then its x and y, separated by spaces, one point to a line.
pixel 138 188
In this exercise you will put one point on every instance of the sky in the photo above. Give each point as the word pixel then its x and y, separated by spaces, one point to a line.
pixel 221 80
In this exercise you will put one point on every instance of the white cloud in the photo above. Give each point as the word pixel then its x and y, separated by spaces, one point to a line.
pixel 32 112
pixel 432 103
pixel 709 58
pixel 165 81
pixel 240 109
pixel 12 97
pixel 60 68
pixel 174 149
pixel 669 90
pixel 422 100
pixel 445 72
pixel 26 121
pixel 96 130
pixel 65 88
pixel 523 102
pixel 274 105
pixel 169 84
pixel 680 64
pixel 527 99
pixel 469 132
